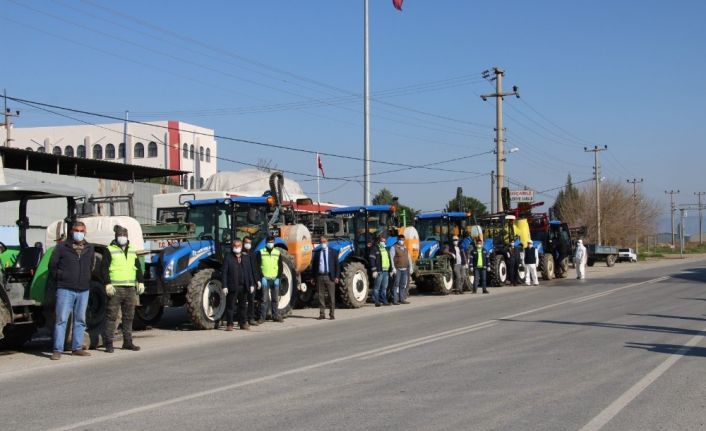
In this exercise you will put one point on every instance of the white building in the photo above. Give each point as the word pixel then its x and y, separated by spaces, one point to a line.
pixel 160 144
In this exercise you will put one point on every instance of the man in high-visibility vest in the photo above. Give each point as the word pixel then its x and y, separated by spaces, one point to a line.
pixel 269 267
pixel 124 284
pixel 480 263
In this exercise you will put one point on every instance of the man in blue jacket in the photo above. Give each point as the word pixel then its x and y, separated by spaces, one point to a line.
pixel 70 267
pixel 326 272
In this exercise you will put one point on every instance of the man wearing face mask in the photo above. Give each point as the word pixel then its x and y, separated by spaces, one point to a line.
pixel 250 296
pixel 125 284
pixel 380 267
pixel 237 279
pixel 460 260
pixel 401 270
pixel 480 262
pixel 70 267
pixel 269 267
pixel 327 273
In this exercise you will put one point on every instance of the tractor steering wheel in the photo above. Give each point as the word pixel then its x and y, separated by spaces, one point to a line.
pixel 206 236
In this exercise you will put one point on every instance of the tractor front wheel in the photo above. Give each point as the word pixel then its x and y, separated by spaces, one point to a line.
pixel 205 301
pixel 354 288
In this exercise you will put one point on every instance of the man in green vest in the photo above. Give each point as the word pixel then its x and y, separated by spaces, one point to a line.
pixel 269 266
pixel 124 284
pixel 479 264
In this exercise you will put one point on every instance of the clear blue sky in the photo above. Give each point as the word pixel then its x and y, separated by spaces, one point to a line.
pixel 627 74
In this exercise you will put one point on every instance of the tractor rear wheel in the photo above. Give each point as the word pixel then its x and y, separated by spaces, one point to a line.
pixel 547 266
pixel 443 284
pixel 287 285
pixel 522 274
pixel 353 290
pixel 13 336
pixel 148 313
pixel 97 306
pixel 562 269
pixel 468 281
pixel 498 272
pixel 205 301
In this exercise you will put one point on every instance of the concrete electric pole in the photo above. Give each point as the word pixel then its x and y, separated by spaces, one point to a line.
pixel 8 121
pixel 499 140
pixel 699 194
pixel 672 208
pixel 597 176
pixel 492 192
pixel 634 183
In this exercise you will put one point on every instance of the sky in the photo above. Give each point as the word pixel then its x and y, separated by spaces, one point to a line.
pixel 626 74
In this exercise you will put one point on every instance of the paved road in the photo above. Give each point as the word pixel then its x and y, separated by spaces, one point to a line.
pixel 622 352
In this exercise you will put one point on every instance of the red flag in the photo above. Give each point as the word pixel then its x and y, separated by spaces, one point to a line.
pixel 321 165
pixel 397 4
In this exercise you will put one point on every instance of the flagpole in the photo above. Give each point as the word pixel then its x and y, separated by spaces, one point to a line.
pixel 366 114
pixel 318 189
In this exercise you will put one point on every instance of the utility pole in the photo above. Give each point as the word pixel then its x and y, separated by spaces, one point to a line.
pixel 672 208
pixel 597 176
pixel 492 192
pixel 8 120
pixel 634 183
pixel 366 110
pixel 499 140
pixel 699 194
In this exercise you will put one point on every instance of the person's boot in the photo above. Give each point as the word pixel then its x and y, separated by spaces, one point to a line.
pixel 109 347
pixel 474 290
pixel 253 322
pixel 245 326
pixel 127 345
pixel 485 290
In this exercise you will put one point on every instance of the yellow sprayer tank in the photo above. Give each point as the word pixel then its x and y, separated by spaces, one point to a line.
pixel 522 230
pixel 298 240
pixel 411 240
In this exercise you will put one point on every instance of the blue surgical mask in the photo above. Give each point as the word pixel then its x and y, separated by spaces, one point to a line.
pixel 400 242
pixel 79 236
pixel 324 245
pixel 270 245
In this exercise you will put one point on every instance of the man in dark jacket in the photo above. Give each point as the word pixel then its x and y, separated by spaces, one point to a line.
pixel 327 272
pixel 380 264
pixel 251 297
pixel 514 259
pixel 70 267
pixel 269 271
pixel 124 284
pixel 479 264
pixel 237 279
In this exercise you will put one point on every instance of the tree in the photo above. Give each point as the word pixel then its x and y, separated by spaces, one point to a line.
pixel 385 197
pixel 568 197
pixel 467 204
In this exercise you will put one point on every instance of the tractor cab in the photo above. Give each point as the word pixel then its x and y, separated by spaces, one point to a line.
pixel 555 239
pixel 23 297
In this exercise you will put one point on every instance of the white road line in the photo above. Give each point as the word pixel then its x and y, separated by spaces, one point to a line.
pixel 626 398
pixel 368 353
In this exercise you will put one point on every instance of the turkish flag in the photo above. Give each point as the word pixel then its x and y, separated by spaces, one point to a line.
pixel 397 4
pixel 321 165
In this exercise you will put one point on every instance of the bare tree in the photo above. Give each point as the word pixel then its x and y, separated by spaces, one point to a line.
pixel 621 215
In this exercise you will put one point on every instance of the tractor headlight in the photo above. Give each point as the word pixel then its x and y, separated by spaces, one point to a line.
pixel 169 269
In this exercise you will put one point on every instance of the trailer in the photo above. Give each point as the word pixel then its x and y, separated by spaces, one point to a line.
pixel 601 253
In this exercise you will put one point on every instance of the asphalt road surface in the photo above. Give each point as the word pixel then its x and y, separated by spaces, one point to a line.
pixel 622 352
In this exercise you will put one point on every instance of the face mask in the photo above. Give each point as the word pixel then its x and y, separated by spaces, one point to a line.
pixel 324 245
pixel 237 250
pixel 400 242
pixel 122 240
pixel 270 245
pixel 247 246
pixel 79 236
pixel 455 242
pixel 382 242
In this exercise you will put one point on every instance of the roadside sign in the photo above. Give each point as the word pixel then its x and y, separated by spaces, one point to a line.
pixel 521 195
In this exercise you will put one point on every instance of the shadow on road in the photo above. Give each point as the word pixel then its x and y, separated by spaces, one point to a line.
pixel 650 328
pixel 666 316
pixel 668 348
pixel 692 274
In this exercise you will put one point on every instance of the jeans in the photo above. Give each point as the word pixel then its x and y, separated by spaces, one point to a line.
pixel 380 287
pixel 68 301
pixel 399 291
pixel 479 278
pixel 270 295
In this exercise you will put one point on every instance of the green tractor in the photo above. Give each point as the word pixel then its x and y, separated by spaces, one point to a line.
pixel 27 295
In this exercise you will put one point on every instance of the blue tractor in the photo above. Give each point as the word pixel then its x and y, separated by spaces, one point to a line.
pixel 351 230
pixel 500 235
pixel 434 271
pixel 187 272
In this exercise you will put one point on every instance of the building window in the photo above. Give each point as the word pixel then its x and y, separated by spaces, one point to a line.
pixel 29 149
pixel 186 153
pixel 152 149
pixel 41 150
pixel 56 151
pixel 69 151
pixel 201 153
pixel 97 152
pixel 191 183
pixel 191 152
pixel 208 155
pixel 121 150
pixel 185 181
pixel 201 182
pixel 139 150
pixel 110 151
pixel 81 151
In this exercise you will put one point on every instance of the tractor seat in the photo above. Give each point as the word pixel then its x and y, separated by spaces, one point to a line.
pixel 26 262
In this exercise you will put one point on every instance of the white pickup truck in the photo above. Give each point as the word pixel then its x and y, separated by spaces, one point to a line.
pixel 627 254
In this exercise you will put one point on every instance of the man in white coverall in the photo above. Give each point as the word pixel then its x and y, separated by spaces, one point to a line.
pixel 580 260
